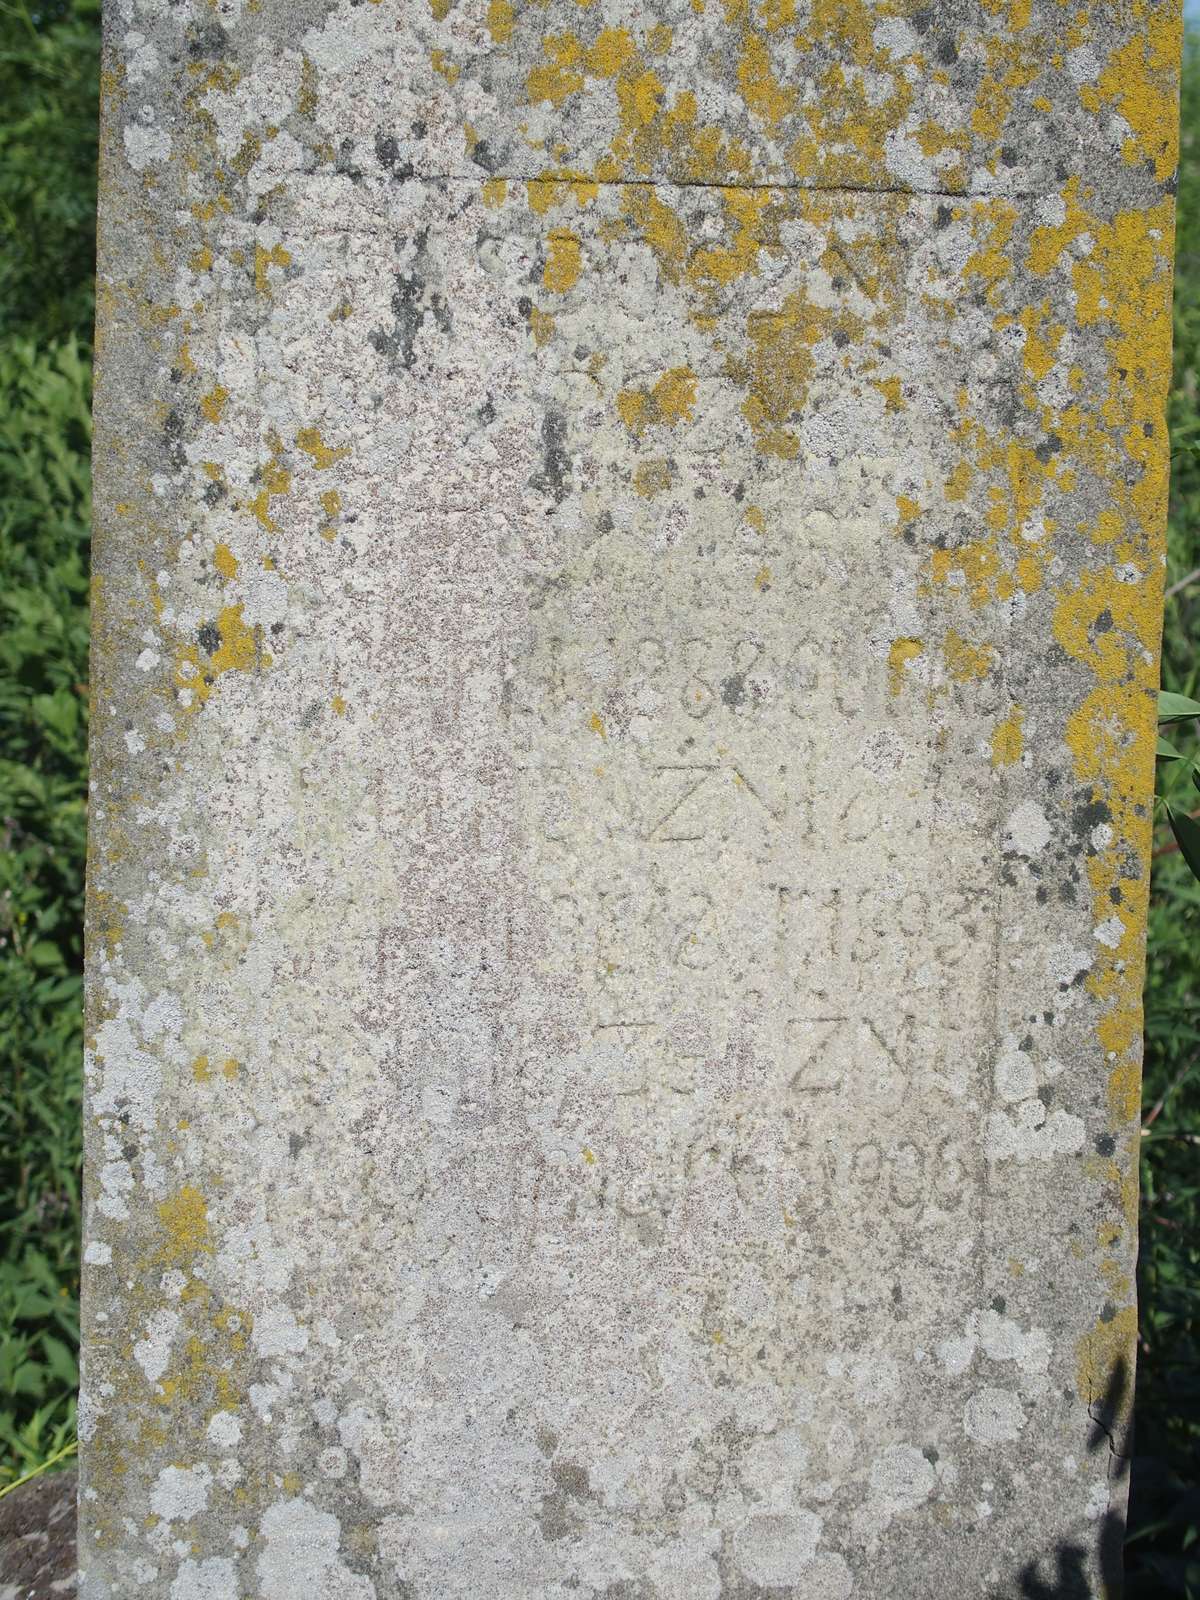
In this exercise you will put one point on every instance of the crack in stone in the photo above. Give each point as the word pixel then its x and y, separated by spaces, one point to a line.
pixel 739 188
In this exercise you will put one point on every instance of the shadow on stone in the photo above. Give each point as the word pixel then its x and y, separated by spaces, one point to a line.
pixel 1077 1566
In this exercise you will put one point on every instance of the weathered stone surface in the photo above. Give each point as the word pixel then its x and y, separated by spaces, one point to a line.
pixel 628 577
pixel 37 1539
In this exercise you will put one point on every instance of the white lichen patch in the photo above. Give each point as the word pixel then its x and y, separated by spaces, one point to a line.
pixel 214 1578
pixel 180 1493
pixel 300 1552
pixel 153 1351
pixel 994 1416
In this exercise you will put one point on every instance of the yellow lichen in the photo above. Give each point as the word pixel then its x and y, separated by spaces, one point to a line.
pixel 564 261
pixel 184 1220
pixel 225 561
pixel 277 256
pixel 500 20
pixel 1008 739
pixel 901 655
pixel 310 441
pixel 669 402
pixel 213 403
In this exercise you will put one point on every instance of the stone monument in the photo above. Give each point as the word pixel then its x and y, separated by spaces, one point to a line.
pixel 628 575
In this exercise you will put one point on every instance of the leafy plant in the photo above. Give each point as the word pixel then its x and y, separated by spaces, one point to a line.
pixel 49 92
pixel 1163 1548
pixel 49 72
pixel 44 515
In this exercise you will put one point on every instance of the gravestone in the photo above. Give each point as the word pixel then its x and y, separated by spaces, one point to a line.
pixel 628 577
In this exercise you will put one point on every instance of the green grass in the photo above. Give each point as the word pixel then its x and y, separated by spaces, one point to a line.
pixel 48 92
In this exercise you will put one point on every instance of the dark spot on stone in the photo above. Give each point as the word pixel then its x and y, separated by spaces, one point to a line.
pixel 209 638
pixel 1105 1144
pixel 897 1293
pixel 930 1453
pixel 487 412
pixel 1043 894
pixel 208 40
pixel 733 691
pixel 173 434
pixel 556 463
pixel 1049 446
pixel 387 151
pixel 129 1150
pixel 605 522
pixel 525 305
pixel 214 493
pixel 1061 171
pixel 482 156
pixel 1086 817
pixel 947 52
pixel 1008 155
pixel 344 162
pixel 841 338
pixel 1148 429
pixel 1114 894
pixel 571 1478
pixel 411 305
pixel 921 20
pixel 739 493
pixel 176 374
pixel 1048 1018
pixel 277 628
pixel 1046 1094
pixel 1026 1044
pixel 419 130
pixel 998 1305
pixel 1107 1311
pixel 943 217
pixel 1104 622
pixel 296 1143
pixel 558 1517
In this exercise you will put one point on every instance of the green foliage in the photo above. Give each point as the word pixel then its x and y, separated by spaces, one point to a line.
pixel 1163 1552
pixel 48 92
pixel 44 514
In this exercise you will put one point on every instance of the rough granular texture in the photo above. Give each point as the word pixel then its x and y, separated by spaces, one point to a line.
pixel 628 579
pixel 37 1539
